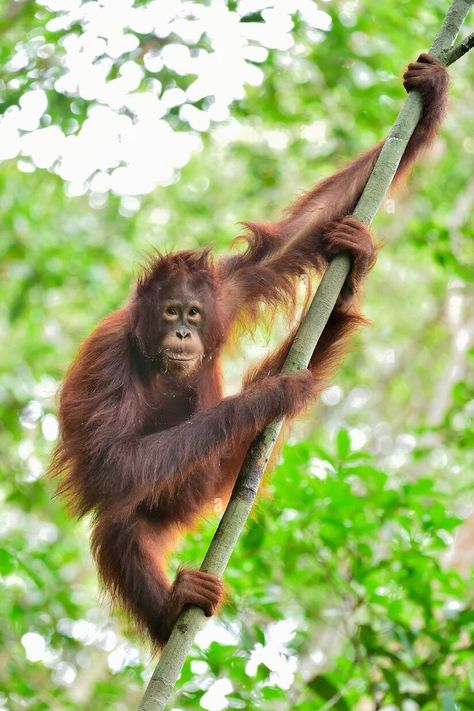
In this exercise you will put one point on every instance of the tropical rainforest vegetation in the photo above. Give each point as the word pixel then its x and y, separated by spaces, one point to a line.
pixel 130 125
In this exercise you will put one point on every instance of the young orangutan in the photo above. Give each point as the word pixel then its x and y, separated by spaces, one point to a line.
pixel 147 440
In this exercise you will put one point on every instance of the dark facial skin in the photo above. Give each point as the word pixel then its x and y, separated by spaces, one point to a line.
pixel 181 348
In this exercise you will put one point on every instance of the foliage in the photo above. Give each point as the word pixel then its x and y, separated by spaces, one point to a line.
pixel 366 560
pixel 341 593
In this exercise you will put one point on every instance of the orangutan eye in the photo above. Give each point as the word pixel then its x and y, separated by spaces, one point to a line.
pixel 193 311
pixel 171 311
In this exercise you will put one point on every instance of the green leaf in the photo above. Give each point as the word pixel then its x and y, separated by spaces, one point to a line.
pixel 324 688
pixel 343 444
pixel 368 637
pixel 393 685
pixel 8 562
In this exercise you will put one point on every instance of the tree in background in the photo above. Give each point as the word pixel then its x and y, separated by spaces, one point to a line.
pixel 120 133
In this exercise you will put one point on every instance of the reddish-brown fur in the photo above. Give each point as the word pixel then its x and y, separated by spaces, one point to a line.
pixel 145 450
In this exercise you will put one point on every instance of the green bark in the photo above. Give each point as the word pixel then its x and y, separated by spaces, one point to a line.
pixel 190 622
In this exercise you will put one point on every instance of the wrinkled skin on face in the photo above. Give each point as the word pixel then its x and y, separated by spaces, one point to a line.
pixel 181 349
pixel 176 326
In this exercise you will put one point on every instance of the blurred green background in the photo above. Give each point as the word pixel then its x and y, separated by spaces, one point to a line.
pixel 161 124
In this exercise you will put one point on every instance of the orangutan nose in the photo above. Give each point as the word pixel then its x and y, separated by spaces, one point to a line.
pixel 183 333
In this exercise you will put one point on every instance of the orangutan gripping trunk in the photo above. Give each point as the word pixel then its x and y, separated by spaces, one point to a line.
pixel 147 440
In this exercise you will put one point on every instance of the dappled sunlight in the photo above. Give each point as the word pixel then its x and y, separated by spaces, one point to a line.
pixel 126 145
pixel 128 127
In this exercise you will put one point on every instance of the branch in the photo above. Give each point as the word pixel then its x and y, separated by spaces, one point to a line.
pixel 191 620
pixel 457 52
